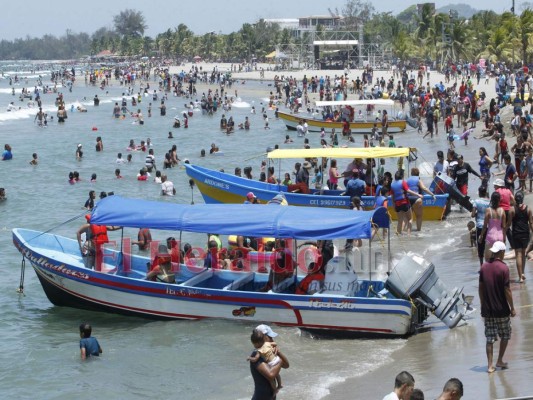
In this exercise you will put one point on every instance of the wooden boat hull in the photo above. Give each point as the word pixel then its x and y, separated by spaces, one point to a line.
pixel 217 187
pixel 66 282
pixel 315 125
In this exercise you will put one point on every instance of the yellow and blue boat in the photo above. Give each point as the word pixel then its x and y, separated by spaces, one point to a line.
pixel 219 187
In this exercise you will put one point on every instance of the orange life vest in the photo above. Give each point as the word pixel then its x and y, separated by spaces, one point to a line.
pixel 303 287
pixel 99 234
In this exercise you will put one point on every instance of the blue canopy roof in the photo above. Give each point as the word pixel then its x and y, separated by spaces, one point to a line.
pixel 307 223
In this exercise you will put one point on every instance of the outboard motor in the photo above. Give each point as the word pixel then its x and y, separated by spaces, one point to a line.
pixel 415 278
pixel 451 188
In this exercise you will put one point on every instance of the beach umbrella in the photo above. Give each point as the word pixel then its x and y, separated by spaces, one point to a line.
pixel 197 58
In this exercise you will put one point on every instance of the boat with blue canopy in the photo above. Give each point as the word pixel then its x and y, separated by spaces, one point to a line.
pixel 351 298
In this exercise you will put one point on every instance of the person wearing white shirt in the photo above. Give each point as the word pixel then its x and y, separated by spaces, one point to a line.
pixel 403 387
pixel 120 160
pixel 441 165
pixel 167 187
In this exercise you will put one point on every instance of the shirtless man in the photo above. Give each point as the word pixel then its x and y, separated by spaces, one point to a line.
pixel 39 117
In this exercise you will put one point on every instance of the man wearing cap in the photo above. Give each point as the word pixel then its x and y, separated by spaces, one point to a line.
pixel 496 304
pixel 250 198
pixel 267 331
pixel 79 152
pixel 261 372
pixel 302 174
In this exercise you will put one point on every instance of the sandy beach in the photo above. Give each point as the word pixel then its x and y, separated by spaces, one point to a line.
pixel 438 354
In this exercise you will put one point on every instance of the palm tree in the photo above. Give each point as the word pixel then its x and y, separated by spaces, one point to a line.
pixel 403 46
pixel 525 32
pixel 463 41
pixel 147 45
pixel 425 22
pixel 481 26
pixel 499 47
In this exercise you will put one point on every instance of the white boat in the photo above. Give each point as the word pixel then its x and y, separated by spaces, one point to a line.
pixel 345 302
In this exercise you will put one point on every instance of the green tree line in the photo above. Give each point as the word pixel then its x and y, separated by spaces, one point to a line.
pixel 409 35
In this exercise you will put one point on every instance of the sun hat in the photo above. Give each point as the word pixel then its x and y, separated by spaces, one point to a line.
pixel 497 247
pixel 499 182
pixel 250 195
pixel 307 165
pixel 79 145
pixel 266 330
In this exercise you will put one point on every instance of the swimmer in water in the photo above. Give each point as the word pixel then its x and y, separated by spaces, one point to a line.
pixel 34 159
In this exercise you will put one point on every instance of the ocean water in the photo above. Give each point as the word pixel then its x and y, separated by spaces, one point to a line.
pixel 190 360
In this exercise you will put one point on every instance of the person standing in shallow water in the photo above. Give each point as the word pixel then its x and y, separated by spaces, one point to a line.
pixel 262 374
pixel 89 345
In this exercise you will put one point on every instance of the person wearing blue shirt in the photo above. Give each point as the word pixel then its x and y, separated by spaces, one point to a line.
pixel 210 260
pixel 7 155
pixel 355 186
pixel 89 346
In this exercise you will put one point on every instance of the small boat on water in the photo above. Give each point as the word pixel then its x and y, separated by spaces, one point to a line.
pixel 356 296
pixel 361 123
pixel 218 187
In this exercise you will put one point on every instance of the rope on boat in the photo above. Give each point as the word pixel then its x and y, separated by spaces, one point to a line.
pixel 20 290
pixel 57 226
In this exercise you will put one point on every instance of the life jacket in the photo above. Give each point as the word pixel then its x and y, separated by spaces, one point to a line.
pixel 303 287
pixel 398 191
pixel 412 182
pixel 99 234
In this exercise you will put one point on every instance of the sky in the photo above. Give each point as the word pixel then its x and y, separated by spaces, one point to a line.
pixel 37 17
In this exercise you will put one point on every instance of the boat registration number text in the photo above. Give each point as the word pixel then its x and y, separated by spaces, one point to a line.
pixel 213 183
pixel 327 202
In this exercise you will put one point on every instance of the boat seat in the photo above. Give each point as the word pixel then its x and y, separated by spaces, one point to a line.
pixel 201 276
pixel 237 283
pixel 340 282
pixel 280 287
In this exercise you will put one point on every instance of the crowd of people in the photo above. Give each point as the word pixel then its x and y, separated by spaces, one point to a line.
pixel 500 216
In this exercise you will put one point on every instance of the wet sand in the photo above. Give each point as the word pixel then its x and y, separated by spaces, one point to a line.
pixel 439 354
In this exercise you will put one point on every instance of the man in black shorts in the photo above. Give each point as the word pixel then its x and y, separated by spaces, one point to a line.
pixel 496 304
